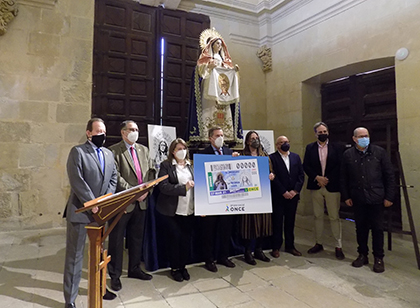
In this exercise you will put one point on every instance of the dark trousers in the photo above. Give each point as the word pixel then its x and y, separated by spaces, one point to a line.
pixel 216 228
pixel 133 223
pixel 370 217
pixel 178 231
pixel 284 215
pixel 248 244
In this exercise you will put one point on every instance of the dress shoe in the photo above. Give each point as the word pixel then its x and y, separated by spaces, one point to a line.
pixel 294 252
pixel 211 266
pixel 109 296
pixel 339 253
pixel 379 266
pixel 185 274
pixel 71 305
pixel 316 248
pixel 259 254
pixel 116 284
pixel 139 274
pixel 275 253
pixel 249 258
pixel 177 275
pixel 226 262
pixel 360 261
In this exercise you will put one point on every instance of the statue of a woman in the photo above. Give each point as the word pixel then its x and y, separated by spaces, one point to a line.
pixel 215 96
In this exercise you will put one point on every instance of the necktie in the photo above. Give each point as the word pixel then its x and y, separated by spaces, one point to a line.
pixel 136 165
pixel 101 159
pixel 219 151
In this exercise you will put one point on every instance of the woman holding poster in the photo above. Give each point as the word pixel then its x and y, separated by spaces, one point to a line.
pixel 175 203
pixel 255 226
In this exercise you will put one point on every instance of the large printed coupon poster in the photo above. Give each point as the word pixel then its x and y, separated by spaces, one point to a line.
pixel 231 185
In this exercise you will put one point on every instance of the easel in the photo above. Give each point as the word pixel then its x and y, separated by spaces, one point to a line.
pixel 109 206
pixel 412 231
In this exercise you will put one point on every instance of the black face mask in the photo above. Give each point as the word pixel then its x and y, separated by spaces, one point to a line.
pixel 285 147
pixel 323 137
pixel 99 140
pixel 255 143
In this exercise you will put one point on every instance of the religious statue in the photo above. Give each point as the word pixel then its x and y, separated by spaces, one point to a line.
pixel 214 98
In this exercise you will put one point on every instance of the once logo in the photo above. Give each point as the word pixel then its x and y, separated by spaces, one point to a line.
pixel 235 208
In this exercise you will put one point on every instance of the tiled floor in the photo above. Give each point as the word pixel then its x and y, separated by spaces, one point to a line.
pixel 32 264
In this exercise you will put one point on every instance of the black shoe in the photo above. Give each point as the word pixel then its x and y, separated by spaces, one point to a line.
pixel 379 266
pixel 116 284
pixel 259 254
pixel 249 258
pixel 211 266
pixel 109 296
pixel 360 261
pixel 294 252
pixel 185 274
pixel 316 248
pixel 139 274
pixel 226 262
pixel 339 253
pixel 71 305
pixel 177 275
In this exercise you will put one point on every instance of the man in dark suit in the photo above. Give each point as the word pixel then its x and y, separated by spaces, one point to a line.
pixel 133 167
pixel 220 226
pixel 92 173
pixel 285 189
pixel 322 166
pixel 368 185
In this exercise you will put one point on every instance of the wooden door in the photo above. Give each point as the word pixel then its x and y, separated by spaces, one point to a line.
pixel 369 100
pixel 127 65
pixel 124 66
pixel 181 32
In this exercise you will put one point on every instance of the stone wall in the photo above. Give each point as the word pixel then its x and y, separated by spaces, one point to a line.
pixel 317 39
pixel 45 102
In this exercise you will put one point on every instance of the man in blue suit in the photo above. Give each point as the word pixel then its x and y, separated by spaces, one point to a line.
pixel 92 173
pixel 285 189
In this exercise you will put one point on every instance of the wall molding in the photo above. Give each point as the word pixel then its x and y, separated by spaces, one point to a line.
pixel 48 4
pixel 265 14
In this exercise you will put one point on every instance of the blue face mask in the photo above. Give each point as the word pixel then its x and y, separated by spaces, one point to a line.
pixel 363 142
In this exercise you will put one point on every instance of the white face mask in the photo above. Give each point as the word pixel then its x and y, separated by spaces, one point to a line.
pixel 181 154
pixel 218 142
pixel 133 136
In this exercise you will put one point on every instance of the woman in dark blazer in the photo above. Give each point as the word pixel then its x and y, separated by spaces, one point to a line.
pixel 175 203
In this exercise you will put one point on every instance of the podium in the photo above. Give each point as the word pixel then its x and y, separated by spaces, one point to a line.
pixel 109 206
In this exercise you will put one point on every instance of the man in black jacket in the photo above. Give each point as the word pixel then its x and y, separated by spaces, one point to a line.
pixel 322 165
pixel 219 227
pixel 367 184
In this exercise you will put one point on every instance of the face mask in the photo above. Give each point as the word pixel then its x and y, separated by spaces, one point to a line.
pixel 323 137
pixel 218 142
pixel 133 136
pixel 98 140
pixel 255 143
pixel 285 147
pixel 181 154
pixel 363 142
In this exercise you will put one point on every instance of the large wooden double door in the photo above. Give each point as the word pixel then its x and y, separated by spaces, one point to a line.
pixel 369 100
pixel 143 58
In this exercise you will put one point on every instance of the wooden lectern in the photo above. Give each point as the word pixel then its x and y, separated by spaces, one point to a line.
pixel 109 205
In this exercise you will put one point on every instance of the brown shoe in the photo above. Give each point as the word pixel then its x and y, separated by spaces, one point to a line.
pixel 316 248
pixel 294 252
pixel 275 253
